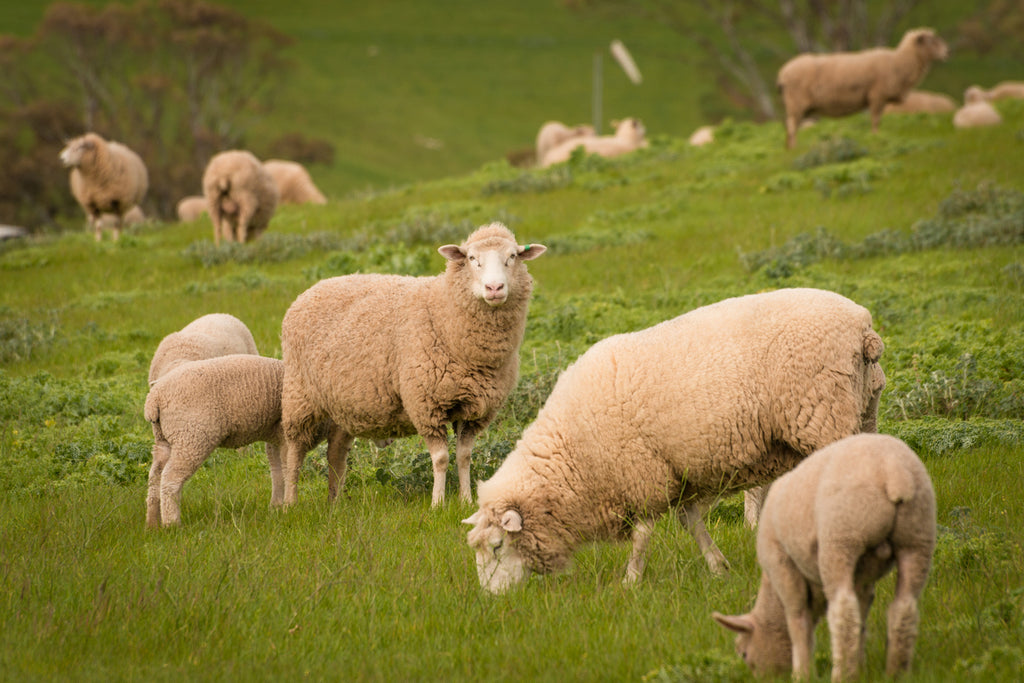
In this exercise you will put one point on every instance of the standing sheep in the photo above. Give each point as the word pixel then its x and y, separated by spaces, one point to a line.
pixel 832 527
pixel 722 398
pixel 229 402
pixel 106 178
pixel 241 197
pixel 383 356
pixel 190 208
pixel 209 336
pixel 629 135
pixel 843 83
pixel 554 133
pixel 294 184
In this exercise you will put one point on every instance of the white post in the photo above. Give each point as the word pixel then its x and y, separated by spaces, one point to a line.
pixel 597 95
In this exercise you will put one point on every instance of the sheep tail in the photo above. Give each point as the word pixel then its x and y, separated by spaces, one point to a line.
pixel 900 486
pixel 152 410
pixel 872 346
pixel 223 185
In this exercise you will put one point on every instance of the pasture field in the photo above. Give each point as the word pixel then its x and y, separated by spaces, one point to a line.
pixel 920 223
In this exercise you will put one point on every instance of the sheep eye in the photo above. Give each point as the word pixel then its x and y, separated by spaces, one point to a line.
pixel 496 548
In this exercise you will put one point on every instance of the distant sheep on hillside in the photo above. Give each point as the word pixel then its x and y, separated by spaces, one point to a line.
pixel 241 196
pixel 554 133
pixel 294 184
pixel 629 136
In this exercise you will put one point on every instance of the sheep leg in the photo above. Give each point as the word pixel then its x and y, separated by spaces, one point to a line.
pixel 180 466
pixel 753 499
pixel 844 612
pixel 438 447
pixel 792 590
pixel 161 454
pixel 245 214
pixel 338 444
pixel 638 557
pixel 912 567
pixel 792 123
pixel 117 227
pixel 276 474
pixel 465 435
pixel 692 515
pixel 294 456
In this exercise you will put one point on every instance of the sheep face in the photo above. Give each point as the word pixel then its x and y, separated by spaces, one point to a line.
pixel 77 150
pixel 491 266
pixel 499 565
pixel 930 46
pixel 764 653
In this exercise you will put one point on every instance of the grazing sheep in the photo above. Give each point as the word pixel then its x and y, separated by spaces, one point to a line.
pixel 702 136
pixel 921 101
pixel 240 196
pixel 843 83
pixel 225 402
pixel 975 114
pixel 554 133
pixel 722 398
pixel 384 356
pixel 832 527
pixel 191 208
pixel 629 135
pixel 216 334
pixel 106 178
pixel 294 184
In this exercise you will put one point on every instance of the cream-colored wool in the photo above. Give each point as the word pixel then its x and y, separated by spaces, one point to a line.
pixel 241 197
pixel 384 356
pixel 702 136
pixel 134 216
pixel 294 184
pixel 830 529
pixel 843 83
pixel 922 101
pixel 1003 90
pixel 976 114
pixel 629 136
pixel 216 334
pixel 190 208
pixel 226 402
pixel 554 133
pixel 106 178
pixel 723 398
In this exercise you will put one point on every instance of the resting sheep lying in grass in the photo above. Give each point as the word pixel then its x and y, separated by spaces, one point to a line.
pixel 190 208
pixel 106 178
pixel 976 114
pixel 922 101
pixel 225 402
pixel 294 184
pixel 384 356
pixel 843 83
pixel 831 529
pixel 554 133
pixel 629 136
pixel 241 197
pixel 1003 90
pixel 209 336
pixel 725 397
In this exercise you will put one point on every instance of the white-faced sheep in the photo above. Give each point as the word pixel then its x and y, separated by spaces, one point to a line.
pixel 554 133
pixel 294 184
pixel 209 336
pixel 241 197
pixel 106 178
pixel 717 400
pixel 831 528
pixel 190 208
pixel 225 402
pixel 843 83
pixel 976 114
pixel 922 101
pixel 629 136
pixel 384 356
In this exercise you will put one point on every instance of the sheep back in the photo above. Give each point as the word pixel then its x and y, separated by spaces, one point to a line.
pixel 294 184
pixel 212 335
pixel 189 209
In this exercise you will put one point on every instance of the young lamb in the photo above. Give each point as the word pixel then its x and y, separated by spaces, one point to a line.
pixel 216 334
pixel 975 114
pixel 294 184
pixel 384 356
pixel 831 528
pixel 921 101
pixel 225 402
pixel 106 178
pixel 843 83
pixel 241 196
pixel 190 208
pixel 1003 90
pixel 629 135
pixel 720 399
pixel 554 133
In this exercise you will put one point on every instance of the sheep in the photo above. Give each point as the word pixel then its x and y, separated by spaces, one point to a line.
pixel 241 196
pixel 553 133
pixel 134 216
pixel 702 136
pixel 216 334
pixel 975 114
pixel 844 83
pixel 629 135
pixel 190 208
pixel 294 184
pixel 228 401
pixel 921 101
pixel 831 528
pixel 717 400
pixel 106 177
pixel 384 356
pixel 1003 90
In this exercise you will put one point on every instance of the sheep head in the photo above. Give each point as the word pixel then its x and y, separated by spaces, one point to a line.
pixel 499 565
pixel 80 149
pixel 491 258
pixel 927 44
pixel 765 651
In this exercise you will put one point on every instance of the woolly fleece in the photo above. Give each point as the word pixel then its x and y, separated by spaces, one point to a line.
pixel 241 197
pixel 216 334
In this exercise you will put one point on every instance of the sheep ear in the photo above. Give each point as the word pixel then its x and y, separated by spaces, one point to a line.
pixel 452 252
pixel 473 519
pixel 740 624
pixel 512 521
pixel 529 252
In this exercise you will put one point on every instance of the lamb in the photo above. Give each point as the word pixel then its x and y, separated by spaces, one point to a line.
pixel 1003 90
pixel 720 399
pixel 975 114
pixel 106 177
pixel 230 402
pixel 216 334
pixel 384 356
pixel 241 196
pixel 190 208
pixel 843 83
pixel 294 184
pixel 921 101
pixel 553 133
pixel 832 527
pixel 629 135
